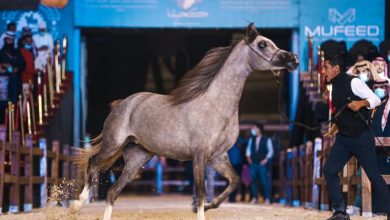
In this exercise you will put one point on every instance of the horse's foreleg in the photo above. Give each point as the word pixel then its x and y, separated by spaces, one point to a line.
pixel 222 165
pixel 135 157
pixel 199 163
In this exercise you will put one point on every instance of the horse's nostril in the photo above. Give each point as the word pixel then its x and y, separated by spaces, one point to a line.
pixel 295 59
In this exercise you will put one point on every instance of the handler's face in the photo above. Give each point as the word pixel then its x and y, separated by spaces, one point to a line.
pixel 330 71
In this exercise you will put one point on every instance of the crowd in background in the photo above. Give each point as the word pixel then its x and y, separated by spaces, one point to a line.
pixel 22 55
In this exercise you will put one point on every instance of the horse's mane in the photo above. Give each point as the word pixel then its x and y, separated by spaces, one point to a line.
pixel 196 81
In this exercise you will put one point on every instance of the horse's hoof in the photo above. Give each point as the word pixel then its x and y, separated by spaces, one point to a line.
pixel 75 207
pixel 208 206
pixel 194 207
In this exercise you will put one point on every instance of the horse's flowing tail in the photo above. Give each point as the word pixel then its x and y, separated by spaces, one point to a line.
pixel 90 161
pixel 82 156
pixel 81 159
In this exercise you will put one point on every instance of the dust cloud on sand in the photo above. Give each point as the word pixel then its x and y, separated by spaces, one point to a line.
pixel 173 207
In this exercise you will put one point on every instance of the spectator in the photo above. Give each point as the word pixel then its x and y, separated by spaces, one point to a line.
pixel 157 163
pixel 13 65
pixel 45 45
pixel 365 71
pixel 210 182
pixel 259 153
pixel 11 29
pixel 381 68
pixel 26 50
pixel 245 173
pixel 237 162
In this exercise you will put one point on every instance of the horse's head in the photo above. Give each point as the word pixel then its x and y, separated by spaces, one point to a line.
pixel 265 55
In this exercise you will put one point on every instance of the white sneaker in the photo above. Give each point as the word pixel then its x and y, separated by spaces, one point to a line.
pixel 254 201
pixel 353 210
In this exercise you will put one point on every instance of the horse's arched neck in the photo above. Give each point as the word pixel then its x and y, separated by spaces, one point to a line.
pixel 226 89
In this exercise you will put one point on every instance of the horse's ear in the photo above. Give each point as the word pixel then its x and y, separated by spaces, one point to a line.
pixel 251 32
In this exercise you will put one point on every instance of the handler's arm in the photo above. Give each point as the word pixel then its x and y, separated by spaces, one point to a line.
pixel 370 100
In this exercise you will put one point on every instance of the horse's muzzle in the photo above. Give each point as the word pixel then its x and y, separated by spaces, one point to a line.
pixel 292 62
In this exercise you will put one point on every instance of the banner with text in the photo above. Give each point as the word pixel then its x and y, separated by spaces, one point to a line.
pixel 339 20
pixel 186 13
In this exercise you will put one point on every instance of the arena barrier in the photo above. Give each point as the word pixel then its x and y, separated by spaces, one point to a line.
pixel 27 172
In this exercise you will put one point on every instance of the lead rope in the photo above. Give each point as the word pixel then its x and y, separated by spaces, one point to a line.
pixel 276 73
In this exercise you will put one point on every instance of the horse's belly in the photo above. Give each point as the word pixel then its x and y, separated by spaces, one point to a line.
pixel 171 151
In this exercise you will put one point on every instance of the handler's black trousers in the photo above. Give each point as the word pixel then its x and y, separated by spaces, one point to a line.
pixel 362 147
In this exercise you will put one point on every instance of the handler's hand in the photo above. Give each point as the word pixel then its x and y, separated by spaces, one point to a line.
pixel 357 105
pixel 332 131
pixel 264 162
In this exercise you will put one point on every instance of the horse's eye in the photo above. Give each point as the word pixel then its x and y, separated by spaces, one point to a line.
pixel 262 44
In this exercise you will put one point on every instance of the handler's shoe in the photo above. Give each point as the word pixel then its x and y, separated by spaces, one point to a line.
pixel 353 210
pixel 339 216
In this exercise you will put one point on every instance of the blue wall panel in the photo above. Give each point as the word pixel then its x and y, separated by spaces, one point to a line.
pixel 186 13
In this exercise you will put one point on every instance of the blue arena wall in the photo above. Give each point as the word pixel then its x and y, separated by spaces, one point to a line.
pixel 347 20
pixel 187 13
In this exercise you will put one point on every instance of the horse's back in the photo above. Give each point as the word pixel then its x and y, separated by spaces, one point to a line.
pixel 117 122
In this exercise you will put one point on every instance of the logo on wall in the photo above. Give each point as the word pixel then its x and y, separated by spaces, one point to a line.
pixel 342 26
pixel 186 4
pixel 187 9
pixel 348 16
pixel 32 19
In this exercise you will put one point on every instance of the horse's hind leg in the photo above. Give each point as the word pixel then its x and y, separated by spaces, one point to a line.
pixel 199 162
pixel 110 149
pixel 135 157
pixel 92 181
pixel 222 165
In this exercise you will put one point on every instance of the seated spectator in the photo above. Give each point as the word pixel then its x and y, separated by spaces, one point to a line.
pixel 12 64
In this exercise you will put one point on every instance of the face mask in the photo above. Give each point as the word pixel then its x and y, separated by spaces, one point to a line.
pixel 28 46
pixel 380 93
pixel 253 132
pixel 381 75
pixel 363 76
pixel 10 69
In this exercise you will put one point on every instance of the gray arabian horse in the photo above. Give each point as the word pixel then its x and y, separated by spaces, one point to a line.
pixel 197 121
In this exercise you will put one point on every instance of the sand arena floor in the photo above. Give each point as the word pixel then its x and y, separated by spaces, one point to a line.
pixel 174 207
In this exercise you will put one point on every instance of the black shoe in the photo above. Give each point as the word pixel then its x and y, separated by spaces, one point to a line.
pixel 339 216
pixel 388 216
